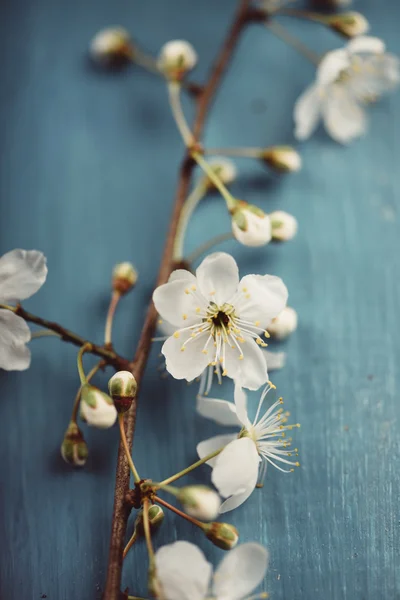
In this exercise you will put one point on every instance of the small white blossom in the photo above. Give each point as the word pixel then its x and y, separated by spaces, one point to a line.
pixel 236 468
pixel 250 225
pixel 284 324
pixel 22 274
pixel 347 80
pixel 176 58
pixel 183 572
pixel 219 320
pixel 284 225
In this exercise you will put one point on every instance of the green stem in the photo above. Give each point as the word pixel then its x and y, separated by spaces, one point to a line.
pixel 229 199
pixel 291 40
pixel 174 93
pixel 130 543
pixel 44 333
pixel 124 441
pixel 189 207
pixel 90 375
pixel 223 237
pixel 191 467
pixel 302 14
pixel 147 532
pixel 246 152
pixel 179 512
pixel 85 348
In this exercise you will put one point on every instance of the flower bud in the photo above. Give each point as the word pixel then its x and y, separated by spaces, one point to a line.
pixel 223 535
pixel 124 277
pixel 74 449
pixel 97 408
pixel 250 225
pixel 176 58
pixel 283 159
pixel 348 24
pixel 112 47
pixel 284 225
pixel 200 502
pixel 122 388
pixel 156 517
pixel 284 324
pixel 224 168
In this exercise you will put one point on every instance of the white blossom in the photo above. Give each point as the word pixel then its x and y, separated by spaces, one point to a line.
pixel 251 226
pixel 184 573
pixel 22 273
pixel 284 324
pixel 347 80
pixel 219 320
pixel 236 468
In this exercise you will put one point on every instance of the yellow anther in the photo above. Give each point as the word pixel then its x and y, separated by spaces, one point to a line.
pixel 212 293
pixel 221 360
pixel 160 321
pixel 198 309
pixel 224 373
pixel 183 349
pixel 184 317
pixel 241 357
pixel 244 289
pixel 257 323
pixel 297 464
pixel 247 296
pixel 176 334
pixel 187 291
pixel 204 351
pixel 193 288
pixel 267 335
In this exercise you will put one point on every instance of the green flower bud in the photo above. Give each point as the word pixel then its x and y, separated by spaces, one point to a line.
pixel 223 535
pixel 73 448
pixel 97 408
pixel 199 502
pixel 122 388
pixel 283 159
pixel 348 24
pixel 156 517
pixel 124 277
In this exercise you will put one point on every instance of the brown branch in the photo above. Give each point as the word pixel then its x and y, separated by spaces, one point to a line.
pixel 109 356
pixel 204 99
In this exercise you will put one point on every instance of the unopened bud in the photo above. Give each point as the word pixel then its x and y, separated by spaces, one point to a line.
pixel 112 47
pixel 284 324
pixel 283 159
pixel 348 24
pixel 284 225
pixel 124 277
pixel 97 409
pixel 224 168
pixel 223 535
pixel 74 449
pixel 200 502
pixel 122 388
pixel 156 517
pixel 176 58
pixel 250 225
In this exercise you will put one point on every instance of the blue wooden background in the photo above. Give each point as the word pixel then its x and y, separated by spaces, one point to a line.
pixel 87 174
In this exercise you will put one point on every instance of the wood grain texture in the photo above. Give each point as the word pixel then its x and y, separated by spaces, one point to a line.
pixel 88 166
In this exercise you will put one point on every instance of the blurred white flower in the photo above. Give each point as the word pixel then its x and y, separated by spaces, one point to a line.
pixel 236 468
pixel 250 225
pixel 183 572
pixel 284 225
pixel 347 80
pixel 219 320
pixel 176 58
pixel 284 324
pixel 22 273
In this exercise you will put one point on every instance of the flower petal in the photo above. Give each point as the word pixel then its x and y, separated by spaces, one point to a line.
pixel 14 334
pixel 182 571
pixel 236 467
pixel 366 43
pixel 344 119
pixel 189 363
pixel 262 298
pixel 241 405
pixel 251 371
pixel 182 274
pixel 307 112
pixel 22 273
pixel 213 444
pixel 218 277
pixel 177 301
pixel 332 64
pixel 237 499
pixel 220 411
pixel 240 572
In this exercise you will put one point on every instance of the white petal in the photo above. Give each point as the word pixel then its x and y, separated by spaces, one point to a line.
pixel 240 572
pixel 251 371
pixel 176 302
pixel 213 444
pixel 220 411
pixel 183 572
pixel 331 66
pixel 236 467
pixel 14 334
pixel 364 43
pixel 275 360
pixel 307 112
pixel 237 499
pixel 22 273
pixel 189 363
pixel 265 297
pixel 241 405
pixel 344 119
pixel 218 277
pixel 182 274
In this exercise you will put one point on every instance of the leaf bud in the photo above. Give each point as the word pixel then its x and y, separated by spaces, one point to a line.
pixel 96 408
pixel 122 388
pixel 200 502
pixel 73 448
pixel 223 535
pixel 124 277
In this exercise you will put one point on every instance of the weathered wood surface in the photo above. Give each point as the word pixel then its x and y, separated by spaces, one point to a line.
pixel 87 174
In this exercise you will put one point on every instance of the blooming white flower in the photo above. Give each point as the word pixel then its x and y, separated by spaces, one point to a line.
pixel 284 225
pixel 346 80
pixel 250 225
pixel 22 273
pixel 96 408
pixel 284 324
pixel 219 320
pixel 236 467
pixel 184 573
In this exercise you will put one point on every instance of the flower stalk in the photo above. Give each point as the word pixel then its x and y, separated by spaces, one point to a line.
pixel 229 199
pixel 200 462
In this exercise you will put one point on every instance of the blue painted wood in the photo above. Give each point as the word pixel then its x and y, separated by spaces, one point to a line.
pixel 87 174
